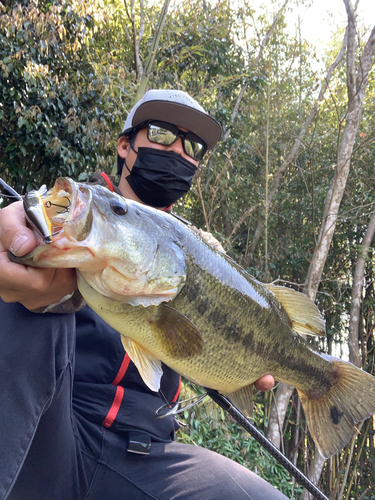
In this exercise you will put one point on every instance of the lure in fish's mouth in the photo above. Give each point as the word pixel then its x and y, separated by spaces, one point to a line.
pixel 49 211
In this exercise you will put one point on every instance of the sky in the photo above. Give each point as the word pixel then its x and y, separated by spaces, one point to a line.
pixel 319 20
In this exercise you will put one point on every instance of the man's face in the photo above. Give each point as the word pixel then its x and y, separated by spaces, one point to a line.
pixel 125 151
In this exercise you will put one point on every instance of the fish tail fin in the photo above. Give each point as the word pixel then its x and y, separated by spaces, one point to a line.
pixel 332 417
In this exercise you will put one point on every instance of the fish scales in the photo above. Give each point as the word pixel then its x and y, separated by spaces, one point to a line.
pixel 242 332
pixel 175 299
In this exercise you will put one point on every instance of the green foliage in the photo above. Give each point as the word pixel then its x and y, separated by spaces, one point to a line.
pixel 209 426
pixel 55 119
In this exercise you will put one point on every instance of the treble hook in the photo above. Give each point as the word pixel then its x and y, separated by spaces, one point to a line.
pixel 174 408
pixel 49 204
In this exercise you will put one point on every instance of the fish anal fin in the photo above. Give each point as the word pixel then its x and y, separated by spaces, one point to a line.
pixel 304 316
pixel 176 334
pixel 148 365
pixel 332 418
pixel 243 400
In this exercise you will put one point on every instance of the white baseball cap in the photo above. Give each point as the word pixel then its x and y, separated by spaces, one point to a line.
pixel 178 108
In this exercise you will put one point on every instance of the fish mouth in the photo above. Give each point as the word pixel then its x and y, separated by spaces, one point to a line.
pixel 67 206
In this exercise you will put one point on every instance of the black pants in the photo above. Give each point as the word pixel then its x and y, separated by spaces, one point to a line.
pixel 47 452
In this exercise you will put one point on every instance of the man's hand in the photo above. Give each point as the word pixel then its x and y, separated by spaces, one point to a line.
pixel 32 287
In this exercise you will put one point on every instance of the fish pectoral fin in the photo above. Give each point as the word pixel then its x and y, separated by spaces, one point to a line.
pixel 332 418
pixel 148 365
pixel 177 335
pixel 243 400
pixel 304 316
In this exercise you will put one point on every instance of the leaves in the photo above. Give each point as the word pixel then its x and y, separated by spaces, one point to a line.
pixel 55 119
pixel 209 426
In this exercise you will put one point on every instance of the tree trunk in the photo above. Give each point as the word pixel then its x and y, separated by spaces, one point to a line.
pixel 356 94
pixel 356 86
pixel 137 35
pixel 357 291
pixel 278 411
pixel 315 471
pixel 284 391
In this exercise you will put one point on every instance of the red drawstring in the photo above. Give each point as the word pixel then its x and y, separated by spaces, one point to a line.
pixel 108 181
pixel 117 400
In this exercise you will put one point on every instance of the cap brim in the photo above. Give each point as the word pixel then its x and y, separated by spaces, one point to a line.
pixel 201 124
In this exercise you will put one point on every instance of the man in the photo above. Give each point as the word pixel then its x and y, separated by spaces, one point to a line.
pixel 76 420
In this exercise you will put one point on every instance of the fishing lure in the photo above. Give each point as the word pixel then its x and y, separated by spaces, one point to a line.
pixel 35 209
pixel 36 213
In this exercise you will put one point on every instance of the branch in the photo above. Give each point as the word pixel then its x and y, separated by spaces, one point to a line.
pixel 246 214
pixel 268 35
pixel 254 63
pixel 203 206
pixel 365 64
pixel 295 148
pixel 297 143
pixel 350 54
pixel 141 19
pixel 137 59
pixel 358 429
pixel 152 52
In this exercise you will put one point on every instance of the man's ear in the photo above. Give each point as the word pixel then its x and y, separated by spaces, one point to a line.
pixel 123 145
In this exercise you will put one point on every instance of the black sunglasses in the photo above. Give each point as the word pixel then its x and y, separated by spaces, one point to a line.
pixel 166 134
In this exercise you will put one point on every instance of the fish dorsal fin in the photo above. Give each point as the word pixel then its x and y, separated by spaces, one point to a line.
pixel 243 400
pixel 148 365
pixel 175 333
pixel 302 312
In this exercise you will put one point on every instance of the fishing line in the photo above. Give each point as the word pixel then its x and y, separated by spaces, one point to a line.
pixel 177 407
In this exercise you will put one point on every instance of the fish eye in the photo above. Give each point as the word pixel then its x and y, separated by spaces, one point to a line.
pixel 117 208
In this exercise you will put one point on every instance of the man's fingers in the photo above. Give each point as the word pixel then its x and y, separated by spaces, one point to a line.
pixel 265 383
pixel 14 235
pixel 36 288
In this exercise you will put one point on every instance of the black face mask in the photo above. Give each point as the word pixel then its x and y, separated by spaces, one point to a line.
pixel 159 178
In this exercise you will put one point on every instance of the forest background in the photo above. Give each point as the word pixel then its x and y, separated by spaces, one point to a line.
pixel 289 191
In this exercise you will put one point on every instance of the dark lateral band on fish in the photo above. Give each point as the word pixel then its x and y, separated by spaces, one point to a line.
pixel 175 299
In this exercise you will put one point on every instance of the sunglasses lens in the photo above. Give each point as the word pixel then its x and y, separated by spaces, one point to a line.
pixel 194 148
pixel 160 135
pixel 166 134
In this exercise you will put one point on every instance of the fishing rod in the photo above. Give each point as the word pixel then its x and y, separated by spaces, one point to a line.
pixel 8 189
pixel 179 406
pixel 224 403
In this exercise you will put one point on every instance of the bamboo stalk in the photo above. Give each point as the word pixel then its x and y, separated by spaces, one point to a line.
pixel 357 459
pixel 267 170
pixel 347 468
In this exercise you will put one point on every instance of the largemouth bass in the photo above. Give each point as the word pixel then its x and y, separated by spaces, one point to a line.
pixel 174 298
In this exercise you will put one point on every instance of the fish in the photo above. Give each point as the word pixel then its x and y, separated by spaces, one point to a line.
pixel 175 299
